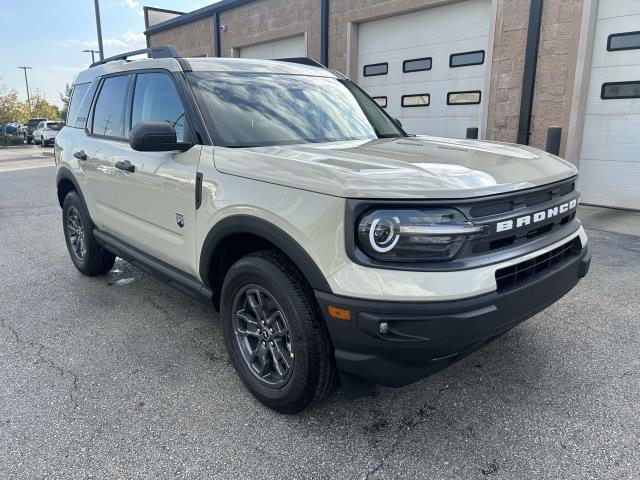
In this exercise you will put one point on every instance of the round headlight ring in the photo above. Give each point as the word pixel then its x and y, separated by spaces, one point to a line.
pixel 388 228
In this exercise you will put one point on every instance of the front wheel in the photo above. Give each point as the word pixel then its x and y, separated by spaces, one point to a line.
pixel 85 252
pixel 274 333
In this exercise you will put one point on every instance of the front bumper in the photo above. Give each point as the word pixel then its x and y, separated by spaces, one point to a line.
pixel 421 338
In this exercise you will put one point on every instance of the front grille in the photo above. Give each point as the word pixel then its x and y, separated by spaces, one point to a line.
pixel 523 272
pixel 528 199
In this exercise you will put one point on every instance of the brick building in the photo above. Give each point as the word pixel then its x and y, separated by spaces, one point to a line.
pixel 511 68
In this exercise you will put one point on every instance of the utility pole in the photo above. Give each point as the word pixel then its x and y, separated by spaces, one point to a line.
pixel 26 81
pixel 96 3
pixel 93 58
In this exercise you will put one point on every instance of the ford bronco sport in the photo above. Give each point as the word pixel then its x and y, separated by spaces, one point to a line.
pixel 336 247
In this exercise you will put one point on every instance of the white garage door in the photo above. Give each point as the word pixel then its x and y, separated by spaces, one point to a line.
pixel 428 67
pixel 285 48
pixel 610 156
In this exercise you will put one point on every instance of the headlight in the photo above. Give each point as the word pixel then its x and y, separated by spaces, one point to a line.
pixel 415 235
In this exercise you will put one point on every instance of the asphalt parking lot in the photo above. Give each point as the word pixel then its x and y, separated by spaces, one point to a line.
pixel 122 376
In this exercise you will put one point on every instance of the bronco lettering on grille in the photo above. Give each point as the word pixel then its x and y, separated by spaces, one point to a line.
pixel 525 220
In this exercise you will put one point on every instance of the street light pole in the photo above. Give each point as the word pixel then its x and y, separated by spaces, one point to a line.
pixel 26 81
pixel 93 58
pixel 96 4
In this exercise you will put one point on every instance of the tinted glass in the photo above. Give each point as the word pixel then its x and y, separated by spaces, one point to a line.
pixel 155 99
pixel 416 65
pixel 624 41
pixel 620 90
pixel 421 100
pixel 78 94
pixel 463 98
pixel 247 110
pixel 466 59
pixel 108 116
pixel 376 69
pixel 55 126
pixel 83 111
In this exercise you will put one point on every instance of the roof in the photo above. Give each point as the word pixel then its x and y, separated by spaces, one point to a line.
pixel 206 64
pixel 198 14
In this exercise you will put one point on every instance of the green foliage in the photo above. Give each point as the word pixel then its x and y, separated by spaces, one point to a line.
pixel 40 108
pixel 65 97
pixel 11 140
pixel 11 109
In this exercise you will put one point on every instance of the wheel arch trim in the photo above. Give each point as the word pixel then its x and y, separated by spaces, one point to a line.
pixel 65 174
pixel 248 224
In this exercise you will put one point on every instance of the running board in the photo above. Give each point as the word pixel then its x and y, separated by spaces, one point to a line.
pixel 157 268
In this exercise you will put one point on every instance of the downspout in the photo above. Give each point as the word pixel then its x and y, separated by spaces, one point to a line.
pixel 529 77
pixel 216 34
pixel 324 32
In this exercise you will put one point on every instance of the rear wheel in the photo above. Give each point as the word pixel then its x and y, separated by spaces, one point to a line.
pixel 85 252
pixel 274 333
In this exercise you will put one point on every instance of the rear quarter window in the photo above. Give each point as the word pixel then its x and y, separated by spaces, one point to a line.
pixel 77 96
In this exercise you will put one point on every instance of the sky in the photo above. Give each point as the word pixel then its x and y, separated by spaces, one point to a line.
pixel 49 35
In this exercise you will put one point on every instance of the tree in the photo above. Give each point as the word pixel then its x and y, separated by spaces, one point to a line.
pixel 65 97
pixel 40 108
pixel 11 109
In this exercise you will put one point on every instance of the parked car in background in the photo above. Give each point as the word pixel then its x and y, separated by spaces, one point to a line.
pixel 29 127
pixel 46 132
pixel 10 128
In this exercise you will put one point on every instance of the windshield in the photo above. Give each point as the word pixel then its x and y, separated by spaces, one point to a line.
pixel 35 122
pixel 55 126
pixel 250 110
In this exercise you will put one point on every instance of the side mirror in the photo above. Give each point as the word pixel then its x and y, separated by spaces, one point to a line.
pixel 156 137
pixel 398 122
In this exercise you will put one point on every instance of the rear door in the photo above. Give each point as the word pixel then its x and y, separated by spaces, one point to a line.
pixel 105 135
pixel 153 207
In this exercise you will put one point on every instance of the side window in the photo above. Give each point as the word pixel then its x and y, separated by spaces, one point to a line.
pixel 78 94
pixel 155 99
pixel 108 114
pixel 85 106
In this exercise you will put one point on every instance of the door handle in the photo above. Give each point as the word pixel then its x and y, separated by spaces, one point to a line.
pixel 80 155
pixel 126 166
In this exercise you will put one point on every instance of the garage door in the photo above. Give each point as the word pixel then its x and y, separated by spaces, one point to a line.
pixel 285 48
pixel 427 68
pixel 610 156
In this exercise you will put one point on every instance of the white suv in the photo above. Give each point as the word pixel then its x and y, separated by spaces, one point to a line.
pixel 46 132
pixel 336 247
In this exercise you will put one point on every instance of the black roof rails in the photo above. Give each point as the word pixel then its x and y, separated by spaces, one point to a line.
pixel 302 61
pixel 164 51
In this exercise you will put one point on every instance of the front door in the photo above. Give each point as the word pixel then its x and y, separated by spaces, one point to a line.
pixel 155 202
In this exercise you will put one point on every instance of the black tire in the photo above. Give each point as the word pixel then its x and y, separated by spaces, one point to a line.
pixel 91 260
pixel 313 374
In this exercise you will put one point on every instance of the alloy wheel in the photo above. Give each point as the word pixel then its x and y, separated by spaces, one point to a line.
pixel 263 336
pixel 75 231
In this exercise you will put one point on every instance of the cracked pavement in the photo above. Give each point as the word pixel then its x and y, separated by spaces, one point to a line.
pixel 124 377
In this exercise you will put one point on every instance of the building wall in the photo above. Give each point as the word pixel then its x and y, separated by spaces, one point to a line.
pixel 507 68
pixel 192 40
pixel 265 20
pixel 555 74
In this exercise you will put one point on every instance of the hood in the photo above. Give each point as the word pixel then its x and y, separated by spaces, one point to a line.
pixel 410 167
